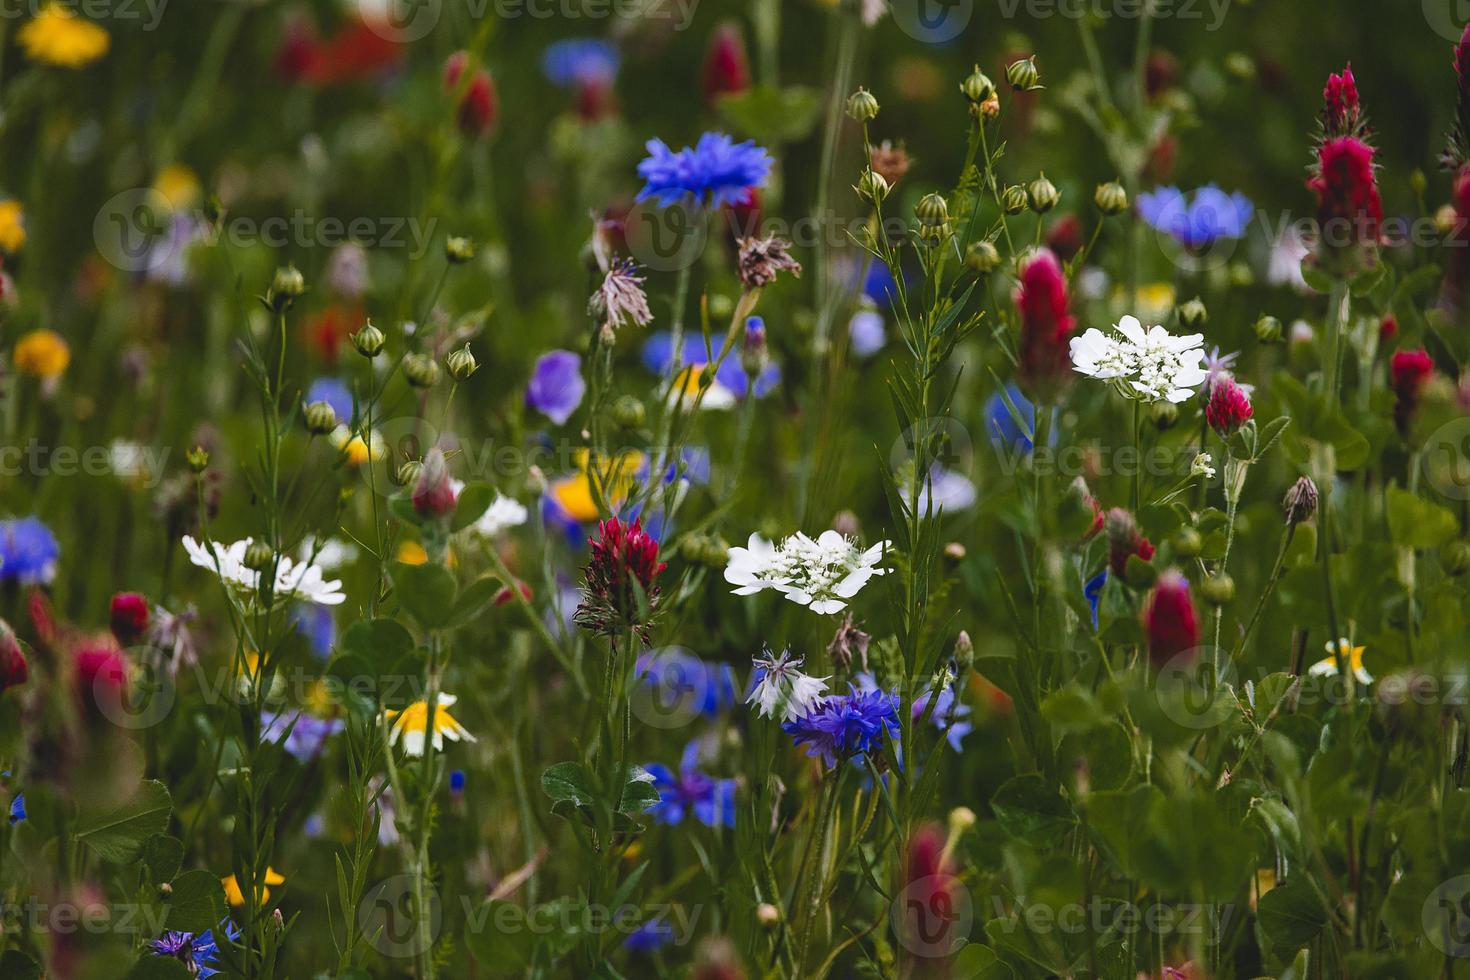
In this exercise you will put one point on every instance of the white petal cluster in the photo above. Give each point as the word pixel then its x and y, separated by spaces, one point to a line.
pixel 822 574
pixel 1149 365
pixel 783 689
pixel 294 579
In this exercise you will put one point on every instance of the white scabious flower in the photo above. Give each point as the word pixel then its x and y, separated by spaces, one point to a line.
pixel 822 574
pixel 783 689
pixel 295 580
pixel 1147 365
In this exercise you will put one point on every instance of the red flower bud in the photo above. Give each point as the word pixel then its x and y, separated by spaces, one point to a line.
pixel 1409 372
pixel 934 900
pixel 726 67
pixel 433 497
pixel 13 666
pixel 1125 540
pixel 504 595
pixel 1169 619
pixel 622 555
pixel 1229 407
pixel 101 669
pixel 1341 113
pixel 1046 326
pixel 479 105
pixel 1349 209
pixel 1065 237
pixel 129 617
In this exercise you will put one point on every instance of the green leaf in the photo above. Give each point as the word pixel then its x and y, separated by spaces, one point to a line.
pixel 427 591
pixel 1418 523
pixel 771 115
pixel 474 599
pixel 568 781
pixel 976 961
pixel 1291 915
pixel 378 641
pixel 15 965
pixel 473 501
pixel 1072 709
pixel 163 855
pixel 118 834
pixel 1028 808
pixel 197 902
pixel 1114 819
pixel 500 938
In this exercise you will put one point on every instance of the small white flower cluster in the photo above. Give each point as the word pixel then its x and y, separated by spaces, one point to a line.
pixel 297 580
pixel 822 574
pixel 1148 365
pixel 783 689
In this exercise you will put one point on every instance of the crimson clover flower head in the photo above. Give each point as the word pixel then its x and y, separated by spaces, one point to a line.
pixel 1124 539
pixel 846 726
pixel 624 563
pixel 129 617
pixel 715 172
pixel 1342 115
pixel 1046 325
pixel 1169 619
pixel 1409 372
pixel 1349 208
pixel 1229 407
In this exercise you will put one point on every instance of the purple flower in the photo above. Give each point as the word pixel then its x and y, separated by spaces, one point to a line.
pixel 334 392
pixel 658 357
pixel 1198 223
pixel 715 172
pixel 580 61
pixel 196 952
pixel 680 681
pixel 556 387
pixel 315 622
pixel 28 551
pixel 841 727
pixel 308 733
pixel 653 934
pixel 711 800
pixel 951 715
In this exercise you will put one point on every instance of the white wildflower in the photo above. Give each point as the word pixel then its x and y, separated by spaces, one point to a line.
pixel 1148 365
pixel 1201 466
pixel 822 574
pixel 295 580
pixel 783 689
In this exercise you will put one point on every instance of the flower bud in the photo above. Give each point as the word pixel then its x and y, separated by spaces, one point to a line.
pixel 1301 501
pixel 165 891
pixel 458 250
pixel 258 555
pixel 14 669
pixel 932 211
pixel 320 418
pixel 1169 619
pixel 977 87
pixel 1188 543
pixel 1268 329
pixel 433 496
pixel 862 106
pixel 1042 195
pixel 286 287
pixel 1455 557
pixel 1110 198
pixel 1023 75
pixel 421 370
pixel 1218 589
pixel 1193 314
pixel 961 819
pixel 982 257
pixel 1013 201
pixel 964 651
pixel 128 613
pixel 767 915
pixel 872 187
pixel 628 413
pixel 754 355
pixel 369 340
pixel 461 364
pixel 408 474
pixel 1164 415
pixel 198 459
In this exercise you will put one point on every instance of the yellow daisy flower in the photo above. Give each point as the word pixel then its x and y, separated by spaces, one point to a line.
pixel 1327 667
pixel 412 722
pixel 177 185
pixel 358 450
pixel 413 553
pixel 41 354
pixel 236 897
pixel 573 494
pixel 56 36
pixel 12 226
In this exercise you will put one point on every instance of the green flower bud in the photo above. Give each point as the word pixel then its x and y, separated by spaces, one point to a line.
pixel 1014 199
pixel 409 474
pixel 716 552
pixel 1455 557
pixel 977 87
pixel 1023 75
pixel 1193 314
pixel 258 555
pixel 461 364
pixel 369 340
pixel 983 257
pixel 320 418
pixel 872 187
pixel 1241 66
pixel 1218 589
pixel 1042 195
pixel 862 106
pixel 1188 543
pixel 1164 414
pixel 932 211
pixel 287 285
pixel 1110 198
pixel 198 459
pixel 458 250
pixel 964 651
pixel 421 370
pixel 628 413
pixel 1268 329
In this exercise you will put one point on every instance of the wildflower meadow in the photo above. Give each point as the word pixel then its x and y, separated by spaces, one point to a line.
pixel 734 489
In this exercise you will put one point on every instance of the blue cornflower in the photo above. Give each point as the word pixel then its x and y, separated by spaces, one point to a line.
pixel 711 800
pixel 456 781
pixel 580 61
pixel 1198 223
pixel 28 551
pixel 335 393
pixel 308 735
pixel 866 331
pixel 731 382
pixel 951 714
pixel 197 952
pixel 1092 592
pixel 556 386
pixel 1000 424
pixel 715 172
pixel 652 935
pixel 316 623
pixel 841 727
pixel 683 680
pixel 17 809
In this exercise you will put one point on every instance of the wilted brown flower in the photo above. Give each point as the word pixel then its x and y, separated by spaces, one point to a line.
pixel 620 299
pixel 847 641
pixel 762 258
pixel 1301 501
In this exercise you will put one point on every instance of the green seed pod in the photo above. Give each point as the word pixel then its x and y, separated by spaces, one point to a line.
pixel 1218 589
pixel 421 370
pixel 458 250
pixel 1188 543
pixel 1110 198
pixel 977 86
pixel 369 340
pixel 461 364
pixel 983 257
pixel 1042 195
pixel 1013 201
pixel 1023 75
pixel 320 418
pixel 862 105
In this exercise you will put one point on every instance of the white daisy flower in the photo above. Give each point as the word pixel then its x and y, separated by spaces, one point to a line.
pixel 411 724
pixel 1148 365
pixel 296 580
pixel 503 513
pixel 331 553
pixel 1327 667
pixel 822 574
pixel 783 689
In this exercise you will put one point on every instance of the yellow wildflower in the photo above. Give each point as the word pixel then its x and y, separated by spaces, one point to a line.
pixel 12 226
pixel 573 493
pixel 177 185
pixel 358 450
pixel 413 553
pixel 236 896
pixel 56 36
pixel 1327 666
pixel 41 354
pixel 412 722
